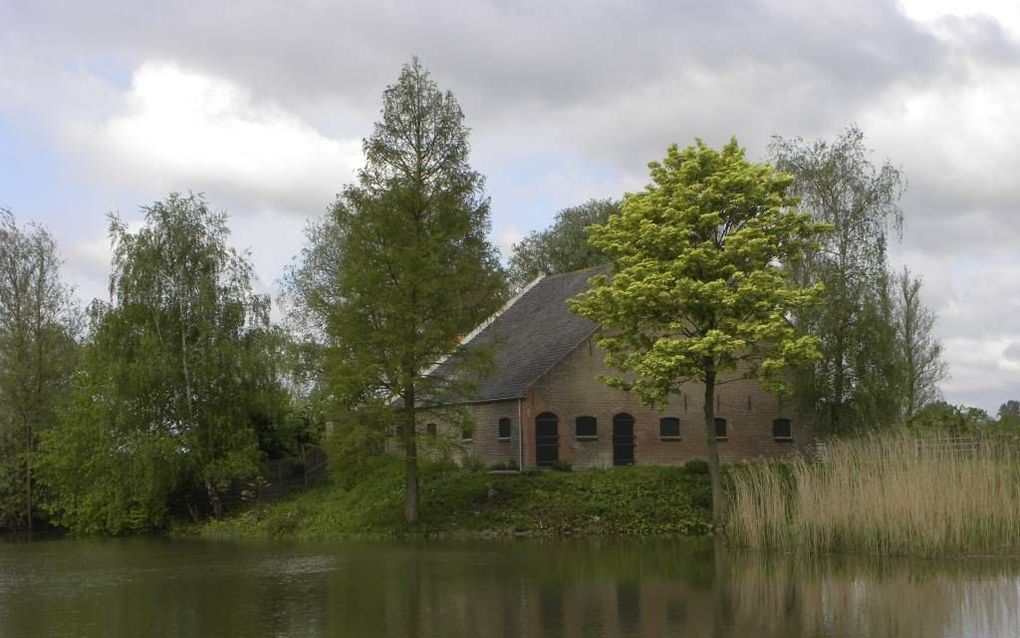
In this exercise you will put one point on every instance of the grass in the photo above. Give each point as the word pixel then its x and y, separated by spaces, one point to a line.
pixel 634 501
pixel 881 495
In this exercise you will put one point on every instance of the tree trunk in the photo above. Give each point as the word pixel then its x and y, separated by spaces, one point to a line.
pixel 410 459
pixel 714 471
pixel 28 478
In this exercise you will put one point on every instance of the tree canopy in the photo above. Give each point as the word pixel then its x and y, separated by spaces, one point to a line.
pixel 39 325
pixel 700 285
pixel 564 246
pixel 401 266
pixel 879 359
pixel 174 366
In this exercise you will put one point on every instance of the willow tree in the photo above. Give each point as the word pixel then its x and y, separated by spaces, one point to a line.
pixel 698 291
pixel 401 265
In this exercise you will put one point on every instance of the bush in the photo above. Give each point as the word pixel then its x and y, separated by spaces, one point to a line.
pixel 697 466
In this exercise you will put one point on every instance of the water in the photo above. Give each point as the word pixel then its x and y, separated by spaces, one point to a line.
pixel 606 588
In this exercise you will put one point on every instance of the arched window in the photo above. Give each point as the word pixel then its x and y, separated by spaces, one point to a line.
pixel 623 439
pixel 504 429
pixel 585 427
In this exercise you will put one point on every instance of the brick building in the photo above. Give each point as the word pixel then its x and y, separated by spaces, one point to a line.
pixel 544 401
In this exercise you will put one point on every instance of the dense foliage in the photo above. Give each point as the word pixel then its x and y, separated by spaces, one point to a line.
pixel 177 371
pixel 401 266
pixel 699 290
pixel 879 361
pixel 466 501
pixel 564 246
pixel 38 352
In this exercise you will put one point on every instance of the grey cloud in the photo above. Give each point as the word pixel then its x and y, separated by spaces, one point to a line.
pixel 1012 352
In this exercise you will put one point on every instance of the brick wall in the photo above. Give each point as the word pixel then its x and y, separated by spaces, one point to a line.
pixel 571 389
pixel 485 443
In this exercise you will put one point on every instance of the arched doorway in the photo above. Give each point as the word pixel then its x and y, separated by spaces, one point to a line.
pixel 623 439
pixel 547 439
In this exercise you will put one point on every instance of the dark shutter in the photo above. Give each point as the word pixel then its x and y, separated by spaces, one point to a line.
pixel 504 428
pixel 669 427
pixel 720 428
pixel 585 426
pixel 782 429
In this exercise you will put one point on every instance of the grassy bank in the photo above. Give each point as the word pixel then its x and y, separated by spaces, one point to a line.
pixel 881 495
pixel 464 502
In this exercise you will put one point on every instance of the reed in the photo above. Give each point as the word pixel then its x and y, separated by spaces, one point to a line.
pixel 891 494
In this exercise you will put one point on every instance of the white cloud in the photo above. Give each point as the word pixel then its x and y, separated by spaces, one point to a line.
pixel 506 238
pixel 183 130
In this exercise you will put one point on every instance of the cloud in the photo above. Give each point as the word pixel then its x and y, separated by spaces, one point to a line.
pixel 1012 352
pixel 183 130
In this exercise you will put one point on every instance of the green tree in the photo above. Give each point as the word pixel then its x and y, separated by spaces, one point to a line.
pixel 176 369
pixel 401 266
pixel 920 351
pixel 564 246
pixel 1009 414
pixel 855 383
pixel 698 290
pixel 38 328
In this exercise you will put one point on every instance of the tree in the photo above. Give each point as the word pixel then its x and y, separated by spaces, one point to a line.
pixel 38 328
pixel 176 368
pixel 920 350
pixel 401 266
pixel 564 246
pixel 698 290
pixel 1009 414
pixel 839 186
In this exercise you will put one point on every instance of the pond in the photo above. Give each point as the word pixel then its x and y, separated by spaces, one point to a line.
pixel 563 588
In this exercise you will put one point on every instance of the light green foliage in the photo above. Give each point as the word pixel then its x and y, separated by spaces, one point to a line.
pixel 177 374
pixel 401 266
pixel 699 289
pixel 564 246
pixel 38 351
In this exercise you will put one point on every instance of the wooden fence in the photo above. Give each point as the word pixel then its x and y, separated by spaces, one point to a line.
pixel 956 444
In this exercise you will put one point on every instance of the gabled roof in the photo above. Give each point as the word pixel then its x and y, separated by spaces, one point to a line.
pixel 531 334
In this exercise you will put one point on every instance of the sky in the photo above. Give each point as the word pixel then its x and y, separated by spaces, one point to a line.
pixel 108 106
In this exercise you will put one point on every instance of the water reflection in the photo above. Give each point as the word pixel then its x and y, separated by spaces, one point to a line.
pixel 570 589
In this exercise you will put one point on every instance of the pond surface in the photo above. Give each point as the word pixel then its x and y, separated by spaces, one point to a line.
pixel 604 588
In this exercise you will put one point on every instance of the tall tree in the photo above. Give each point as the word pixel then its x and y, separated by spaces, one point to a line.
pixel 38 328
pixel 698 290
pixel 920 351
pixel 564 246
pixel 838 184
pixel 175 368
pixel 401 266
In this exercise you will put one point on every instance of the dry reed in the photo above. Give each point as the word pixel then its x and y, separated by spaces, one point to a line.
pixel 890 494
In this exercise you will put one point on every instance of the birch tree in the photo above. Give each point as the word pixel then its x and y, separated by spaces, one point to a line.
pixel 173 365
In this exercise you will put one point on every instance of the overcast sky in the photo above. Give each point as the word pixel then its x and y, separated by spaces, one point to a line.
pixel 107 106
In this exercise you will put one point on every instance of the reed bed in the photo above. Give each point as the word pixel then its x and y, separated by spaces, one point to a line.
pixel 889 494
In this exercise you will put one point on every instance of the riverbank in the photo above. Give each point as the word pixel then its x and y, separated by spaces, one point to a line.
pixel 462 502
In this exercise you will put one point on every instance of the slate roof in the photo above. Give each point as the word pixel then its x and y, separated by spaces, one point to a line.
pixel 532 334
